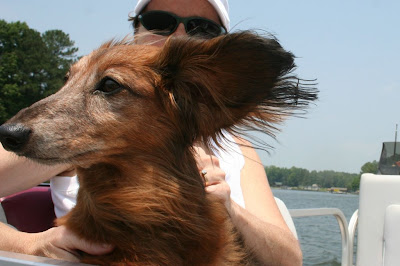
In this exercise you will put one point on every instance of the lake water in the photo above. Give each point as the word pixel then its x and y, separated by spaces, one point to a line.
pixel 319 236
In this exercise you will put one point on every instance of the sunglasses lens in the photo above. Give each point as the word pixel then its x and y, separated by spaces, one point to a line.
pixel 203 28
pixel 165 23
pixel 160 23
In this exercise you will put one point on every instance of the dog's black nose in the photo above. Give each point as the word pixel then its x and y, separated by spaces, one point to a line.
pixel 14 136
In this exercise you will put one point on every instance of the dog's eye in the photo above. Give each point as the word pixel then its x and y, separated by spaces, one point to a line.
pixel 109 86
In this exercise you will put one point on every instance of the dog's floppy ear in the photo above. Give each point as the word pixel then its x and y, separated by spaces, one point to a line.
pixel 239 79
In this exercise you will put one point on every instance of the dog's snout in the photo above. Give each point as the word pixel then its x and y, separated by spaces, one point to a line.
pixel 14 136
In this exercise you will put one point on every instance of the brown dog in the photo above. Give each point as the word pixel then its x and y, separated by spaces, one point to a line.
pixel 127 118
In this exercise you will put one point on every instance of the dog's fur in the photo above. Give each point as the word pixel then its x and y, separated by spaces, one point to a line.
pixel 131 141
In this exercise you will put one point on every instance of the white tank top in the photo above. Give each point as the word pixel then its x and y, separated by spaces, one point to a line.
pixel 64 189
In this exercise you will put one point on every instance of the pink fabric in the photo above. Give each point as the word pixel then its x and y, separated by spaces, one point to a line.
pixel 31 210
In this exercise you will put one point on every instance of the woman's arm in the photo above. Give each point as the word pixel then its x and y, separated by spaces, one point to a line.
pixel 261 223
pixel 18 173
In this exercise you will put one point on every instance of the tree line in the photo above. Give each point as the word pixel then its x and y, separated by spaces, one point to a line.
pixel 32 65
pixel 299 177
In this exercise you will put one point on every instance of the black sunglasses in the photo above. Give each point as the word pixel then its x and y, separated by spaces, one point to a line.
pixel 165 23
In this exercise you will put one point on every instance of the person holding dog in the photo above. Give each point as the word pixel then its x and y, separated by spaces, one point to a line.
pixel 234 174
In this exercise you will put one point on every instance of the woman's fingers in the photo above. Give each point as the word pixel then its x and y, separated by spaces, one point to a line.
pixel 204 157
pixel 212 175
pixel 61 243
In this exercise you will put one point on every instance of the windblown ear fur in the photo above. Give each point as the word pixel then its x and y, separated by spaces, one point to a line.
pixel 236 80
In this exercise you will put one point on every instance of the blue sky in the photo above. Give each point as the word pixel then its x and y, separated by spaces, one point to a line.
pixel 351 47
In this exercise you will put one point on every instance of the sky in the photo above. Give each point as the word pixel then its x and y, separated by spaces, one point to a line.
pixel 350 46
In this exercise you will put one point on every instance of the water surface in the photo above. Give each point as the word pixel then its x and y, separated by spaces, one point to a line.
pixel 319 237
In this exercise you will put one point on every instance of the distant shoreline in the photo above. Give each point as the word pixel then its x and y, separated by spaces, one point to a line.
pixel 328 190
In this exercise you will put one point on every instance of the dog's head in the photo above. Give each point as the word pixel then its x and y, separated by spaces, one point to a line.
pixel 143 98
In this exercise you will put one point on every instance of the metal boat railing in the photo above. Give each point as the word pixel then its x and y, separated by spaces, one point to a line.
pixel 352 232
pixel 16 259
pixel 341 219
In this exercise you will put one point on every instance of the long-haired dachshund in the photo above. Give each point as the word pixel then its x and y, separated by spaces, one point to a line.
pixel 127 118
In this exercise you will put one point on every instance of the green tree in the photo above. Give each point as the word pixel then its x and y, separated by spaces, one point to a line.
pixel 32 65
pixel 355 185
pixel 277 174
pixel 295 177
pixel 370 167
pixel 61 53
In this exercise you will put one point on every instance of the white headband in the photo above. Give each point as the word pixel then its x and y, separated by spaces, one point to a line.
pixel 221 6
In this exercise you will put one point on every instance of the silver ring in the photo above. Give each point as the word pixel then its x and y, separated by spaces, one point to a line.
pixel 203 174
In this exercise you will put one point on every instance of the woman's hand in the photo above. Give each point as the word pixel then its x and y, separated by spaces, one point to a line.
pixel 214 176
pixel 60 243
pixel 57 243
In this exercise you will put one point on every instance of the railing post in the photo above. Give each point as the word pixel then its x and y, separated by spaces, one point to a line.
pixel 346 258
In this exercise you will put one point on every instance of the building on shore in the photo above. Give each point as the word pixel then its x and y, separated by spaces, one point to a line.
pixel 338 190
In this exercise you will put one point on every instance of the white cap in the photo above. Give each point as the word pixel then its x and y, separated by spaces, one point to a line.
pixel 221 6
